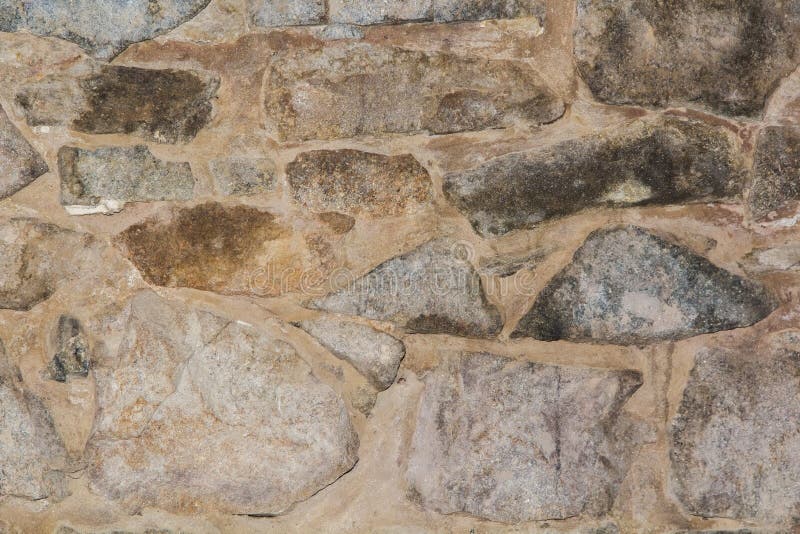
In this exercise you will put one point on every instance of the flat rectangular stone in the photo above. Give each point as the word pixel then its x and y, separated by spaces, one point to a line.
pixel 365 12
pixel 458 10
pixel 274 13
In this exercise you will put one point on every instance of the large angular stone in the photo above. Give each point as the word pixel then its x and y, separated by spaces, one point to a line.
pixel 354 182
pixel 726 55
pixel 32 455
pixel 21 163
pixel 271 13
pixel 104 179
pixel 457 10
pixel 776 179
pixel 735 441
pixel 101 27
pixel 231 249
pixel 428 290
pixel 161 105
pixel 666 161
pixel 517 441
pixel 196 411
pixel 364 12
pixel 355 89
pixel 628 286
pixel 374 354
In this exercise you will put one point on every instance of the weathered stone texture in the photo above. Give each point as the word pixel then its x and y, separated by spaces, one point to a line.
pixel 355 182
pixel 72 350
pixel 32 456
pixel 517 441
pixel 161 105
pixel 734 442
pixel 243 176
pixel 198 411
pixel 726 55
pixel 364 12
pixel 270 13
pixel 458 10
pixel 666 161
pixel 428 290
pixel 355 89
pixel 628 286
pixel 374 354
pixel 776 180
pixel 102 27
pixel 104 179
pixel 21 164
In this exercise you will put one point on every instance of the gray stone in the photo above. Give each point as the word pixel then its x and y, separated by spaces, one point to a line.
pixel 271 13
pixel 335 32
pixel 354 182
pixel 628 286
pixel 735 441
pixel 374 354
pixel 161 105
pixel 32 455
pixel 101 27
pixel 727 56
pixel 666 161
pixel 458 10
pixel 21 163
pixel 780 257
pixel 72 350
pixel 428 290
pixel 102 180
pixel 364 12
pixel 196 411
pixel 517 441
pixel 243 176
pixel 776 177
pixel 348 89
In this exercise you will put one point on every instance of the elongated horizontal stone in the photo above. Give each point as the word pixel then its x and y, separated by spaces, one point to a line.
pixel 735 440
pixel 21 163
pixel 196 411
pixel 458 10
pixel 428 290
pixel 355 89
pixel 101 27
pixel 666 161
pixel 165 106
pixel 103 180
pixel 365 12
pixel 628 286
pixel 726 56
pixel 271 13
pixel 354 182
pixel 517 441
pixel 776 179
pixel 374 354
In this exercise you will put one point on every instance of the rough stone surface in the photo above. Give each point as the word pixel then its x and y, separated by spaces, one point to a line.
pixel 355 182
pixel 104 179
pixel 270 13
pixel 21 163
pixel 231 249
pixel 374 354
pixel 370 12
pixel 161 105
pixel 668 161
pixel 457 10
pixel 429 290
pixel 101 27
pixel 355 89
pixel 776 180
pixel 518 441
pixel 243 176
pixel 72 350
pixel 32 456
pixel 628 286
pixel 734 441
pixel 186 385
pixel 726 55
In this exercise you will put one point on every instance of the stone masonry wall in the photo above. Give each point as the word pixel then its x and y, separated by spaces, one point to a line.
pixel 390 266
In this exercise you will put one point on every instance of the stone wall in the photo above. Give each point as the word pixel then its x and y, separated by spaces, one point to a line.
pixel 399 266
